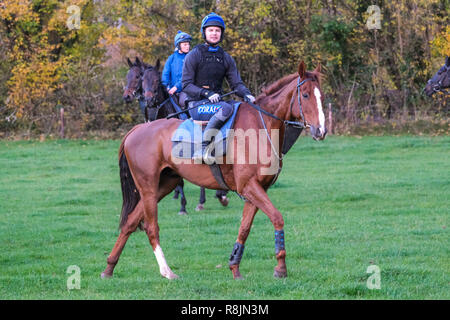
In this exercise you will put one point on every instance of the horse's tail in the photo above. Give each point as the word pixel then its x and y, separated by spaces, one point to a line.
pixel 130 194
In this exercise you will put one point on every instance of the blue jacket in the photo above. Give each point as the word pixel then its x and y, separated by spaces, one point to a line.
pixel 173 70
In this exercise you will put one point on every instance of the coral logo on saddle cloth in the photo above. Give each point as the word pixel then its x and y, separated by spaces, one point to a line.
pixel 209 108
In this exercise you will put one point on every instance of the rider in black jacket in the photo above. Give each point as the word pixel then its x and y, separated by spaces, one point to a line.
pixel 204 70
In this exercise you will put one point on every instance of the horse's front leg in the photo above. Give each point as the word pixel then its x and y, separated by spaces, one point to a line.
pixel 244 230
pixel 201 202
pixel 256 194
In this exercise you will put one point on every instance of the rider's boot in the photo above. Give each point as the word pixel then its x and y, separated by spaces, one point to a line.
pixel 204 153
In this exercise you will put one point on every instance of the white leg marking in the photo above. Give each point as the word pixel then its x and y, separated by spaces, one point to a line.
pixel 319 106
pixel 163 267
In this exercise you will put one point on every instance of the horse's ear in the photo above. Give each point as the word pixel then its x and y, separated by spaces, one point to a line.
pixel 138 62
pixel 129 62
pixel 447 61
pixel 302 70
pixel 318 68
pixel 158 64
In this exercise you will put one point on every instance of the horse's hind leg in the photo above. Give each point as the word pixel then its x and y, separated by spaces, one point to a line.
pixel 134 218
pixel 238 249
pixel 182 211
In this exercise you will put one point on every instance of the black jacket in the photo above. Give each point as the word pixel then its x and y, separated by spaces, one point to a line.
pixel 195 73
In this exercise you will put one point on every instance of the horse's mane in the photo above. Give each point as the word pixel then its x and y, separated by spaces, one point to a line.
pixel 279 90
pixel 279 84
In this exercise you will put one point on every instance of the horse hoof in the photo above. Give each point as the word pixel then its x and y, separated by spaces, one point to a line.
pixel 182 213
pixel 239 277
pixel 170 276
pixel 224 200
pixel 105 275
pixel 279 274
pixel 199 207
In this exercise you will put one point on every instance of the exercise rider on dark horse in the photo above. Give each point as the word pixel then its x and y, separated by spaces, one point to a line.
pixel 204 70
pixel 440 81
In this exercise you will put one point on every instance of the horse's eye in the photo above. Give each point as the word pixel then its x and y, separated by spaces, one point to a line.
pixel 305 95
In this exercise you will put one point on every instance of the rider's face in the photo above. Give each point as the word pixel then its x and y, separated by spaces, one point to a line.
pixel 185 47
pixel 212 34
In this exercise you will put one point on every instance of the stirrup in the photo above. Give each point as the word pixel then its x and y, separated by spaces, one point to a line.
pixel 208 158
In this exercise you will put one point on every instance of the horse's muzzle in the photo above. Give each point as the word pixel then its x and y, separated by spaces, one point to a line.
pixel 127 98
pixel 318 133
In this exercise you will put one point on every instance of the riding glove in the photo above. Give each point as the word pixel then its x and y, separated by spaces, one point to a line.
pixel 249 98
pixel 212 96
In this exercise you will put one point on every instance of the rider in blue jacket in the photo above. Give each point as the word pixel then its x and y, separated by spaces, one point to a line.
pixel 205 68
pixel 172 72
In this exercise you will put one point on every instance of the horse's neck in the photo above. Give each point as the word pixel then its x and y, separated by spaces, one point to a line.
pixel 162 92
pixel 280 107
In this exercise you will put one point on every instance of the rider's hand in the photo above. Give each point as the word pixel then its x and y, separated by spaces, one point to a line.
pixel 172 90
pixel 212 96
pixel 249 98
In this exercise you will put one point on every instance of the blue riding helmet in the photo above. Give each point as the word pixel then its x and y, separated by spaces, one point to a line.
pixel 212 19
pixel 181 37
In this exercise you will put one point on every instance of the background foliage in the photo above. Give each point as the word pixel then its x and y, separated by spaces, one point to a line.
pixel 371 76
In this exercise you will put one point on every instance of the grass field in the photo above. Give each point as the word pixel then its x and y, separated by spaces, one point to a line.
pixel 347 202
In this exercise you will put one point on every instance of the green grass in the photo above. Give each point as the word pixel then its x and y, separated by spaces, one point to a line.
pixel 347 203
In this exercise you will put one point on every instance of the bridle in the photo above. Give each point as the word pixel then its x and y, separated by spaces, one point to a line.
pixel 154 95
pixel 292 128
pixel 136 92
pixel 304 124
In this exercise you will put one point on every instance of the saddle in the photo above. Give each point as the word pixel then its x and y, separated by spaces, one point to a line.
pixel 189 134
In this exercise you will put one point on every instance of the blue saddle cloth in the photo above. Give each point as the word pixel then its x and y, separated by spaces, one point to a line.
pixel 189 136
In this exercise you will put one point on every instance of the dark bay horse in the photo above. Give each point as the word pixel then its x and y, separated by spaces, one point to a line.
pixel 149 172
pixel 440 81
pixel 133 89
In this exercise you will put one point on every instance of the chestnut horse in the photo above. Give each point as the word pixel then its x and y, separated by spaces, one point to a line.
pixel 149 172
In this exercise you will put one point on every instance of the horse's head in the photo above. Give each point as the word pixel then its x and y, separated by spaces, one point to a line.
pixel 134 79
pixel 440 80
pixel 308 100
pixel 151 81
